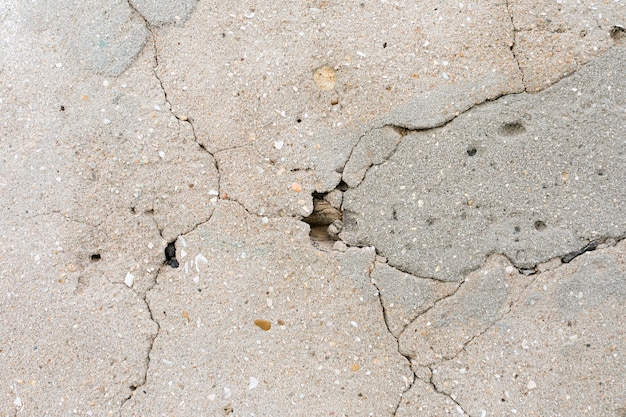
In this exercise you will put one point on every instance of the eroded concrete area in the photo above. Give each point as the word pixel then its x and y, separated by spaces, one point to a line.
pixel 327 208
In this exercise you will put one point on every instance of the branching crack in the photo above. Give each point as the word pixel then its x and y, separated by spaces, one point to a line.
pixel 386 321
pixel 432 384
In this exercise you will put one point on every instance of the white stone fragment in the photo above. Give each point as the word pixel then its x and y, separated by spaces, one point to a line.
pixel 253 383
pixel 213 192
pixel 531 384
pixel 183 253
pixel 278 144
pixel 200 259
pixel 17 402
pixel 129 280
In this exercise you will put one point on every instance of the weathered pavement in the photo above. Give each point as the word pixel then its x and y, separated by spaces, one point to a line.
pixel 466 165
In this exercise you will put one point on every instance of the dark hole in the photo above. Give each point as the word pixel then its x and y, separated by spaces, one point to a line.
pixel 342 186
pixel 170 255
pixel 600 172
pixel 132 388
pixel 385 45
pixel 517 229
pixel 223 35
pixel 96 257
pixel 503 400
pixel 618 34
pixel 512 129
pixel 588 344
pixel 62 108
pixel 540 226
pixel 132 210
pixel 299 120
pixel 471 151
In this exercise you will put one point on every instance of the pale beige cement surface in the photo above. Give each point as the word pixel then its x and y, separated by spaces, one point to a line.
pixel 125 126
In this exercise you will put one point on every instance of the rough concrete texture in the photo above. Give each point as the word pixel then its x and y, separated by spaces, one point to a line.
pixel 480 266
pixel 529 176
pixel 209 355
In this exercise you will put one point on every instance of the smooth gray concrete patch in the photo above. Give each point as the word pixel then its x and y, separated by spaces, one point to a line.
pixel 559 351
pixel 105 38
pixel 327 350
pixel 163 12
pixel 529 176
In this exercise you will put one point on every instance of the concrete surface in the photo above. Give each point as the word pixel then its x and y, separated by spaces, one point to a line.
pixel 474 151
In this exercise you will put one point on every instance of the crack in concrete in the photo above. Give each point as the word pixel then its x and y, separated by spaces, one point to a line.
pixel 432 384
pixel 386 321
pixel 512 45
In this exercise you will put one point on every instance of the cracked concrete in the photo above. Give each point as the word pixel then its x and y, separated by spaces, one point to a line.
pixel 476 153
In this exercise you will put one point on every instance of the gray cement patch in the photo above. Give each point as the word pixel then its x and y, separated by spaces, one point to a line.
pixel 529 176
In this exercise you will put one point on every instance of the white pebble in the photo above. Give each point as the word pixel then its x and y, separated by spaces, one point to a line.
pixel 213 192
pixel 17 401
pixel 129 280
pixel 107 121
pixel 278 144
pixel 531 384
pixel 253 383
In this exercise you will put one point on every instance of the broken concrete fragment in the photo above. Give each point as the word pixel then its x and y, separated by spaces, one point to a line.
pixel 405 296
pixel 483 298
pixel 530 176
pixel 373 148
pixel 557 352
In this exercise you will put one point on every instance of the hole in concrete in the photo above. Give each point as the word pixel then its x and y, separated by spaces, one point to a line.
pixel 170 255
pixel 618 34
pixel 326 221
pixel 471 151
pixel 512 129
pixel 540 226
pixel 600 172
pixel 517 229
pixel 96 257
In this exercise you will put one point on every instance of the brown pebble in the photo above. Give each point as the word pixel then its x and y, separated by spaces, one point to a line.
pixel 263 324
pixel 296 187
pixel 334 102
pixel 355 367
